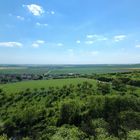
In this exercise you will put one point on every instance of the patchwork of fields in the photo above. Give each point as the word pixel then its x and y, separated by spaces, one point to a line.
pixel 61 69
pixel 65 69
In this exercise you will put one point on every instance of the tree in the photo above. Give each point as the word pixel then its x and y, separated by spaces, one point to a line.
pixel 118 85
pixel 67 132
pixel 0 90
pixel 102 134
pixel 3 137
pixel 69 113
pixel 130 120
pixel 103 88
pixel 133 135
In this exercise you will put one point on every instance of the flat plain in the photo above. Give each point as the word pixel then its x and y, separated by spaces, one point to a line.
pixel 65 69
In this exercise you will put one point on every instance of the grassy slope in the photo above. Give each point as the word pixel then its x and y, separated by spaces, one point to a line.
pixel 20 86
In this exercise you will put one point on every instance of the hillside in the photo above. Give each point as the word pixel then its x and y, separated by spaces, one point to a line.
pixel 72 109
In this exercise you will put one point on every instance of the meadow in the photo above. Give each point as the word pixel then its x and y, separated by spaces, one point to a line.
pixel 38 84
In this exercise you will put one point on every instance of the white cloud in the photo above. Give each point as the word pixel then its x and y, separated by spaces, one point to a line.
pixel 40 41
pixel 20 17
pixel 89 42
pixel 137 46
pixel 118 38
pixel 78 41
pixel 102 39
pixel 59 44
pixel 90 36
pixel 11 44
pixel 42 24
pixel 96 37
pixel 35 9
pixel 52 12
pixel 37 43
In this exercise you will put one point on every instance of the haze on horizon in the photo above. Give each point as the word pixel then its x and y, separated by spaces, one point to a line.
pixel 69 32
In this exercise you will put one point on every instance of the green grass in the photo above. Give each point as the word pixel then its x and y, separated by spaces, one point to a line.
pixel 20 86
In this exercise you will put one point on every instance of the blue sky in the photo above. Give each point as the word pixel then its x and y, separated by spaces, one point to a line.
pixel 69 31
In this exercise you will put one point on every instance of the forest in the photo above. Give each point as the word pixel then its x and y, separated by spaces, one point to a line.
pixel 108 109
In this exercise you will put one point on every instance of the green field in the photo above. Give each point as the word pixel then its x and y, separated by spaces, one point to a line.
pixel 90 70
pixel 22 70
pixel 65 69
pixel 21 86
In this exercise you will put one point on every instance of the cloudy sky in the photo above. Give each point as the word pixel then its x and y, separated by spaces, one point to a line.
pixel 69 31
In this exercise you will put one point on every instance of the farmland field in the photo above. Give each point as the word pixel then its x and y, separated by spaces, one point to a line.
pixel 64 69
pixel 21 86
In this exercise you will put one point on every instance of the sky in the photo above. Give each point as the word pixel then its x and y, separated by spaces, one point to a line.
pixel 69 31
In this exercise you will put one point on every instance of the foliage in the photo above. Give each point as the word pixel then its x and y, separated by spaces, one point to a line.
pixel 72 109
pixel 103 88
pixel 68 133
pixel 3 137
pixel 134 135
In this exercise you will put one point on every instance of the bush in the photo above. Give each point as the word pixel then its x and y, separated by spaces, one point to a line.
pixel 68 133
pixel 3 137
pixel 103 88
pixel 69 113
pixel 134 135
